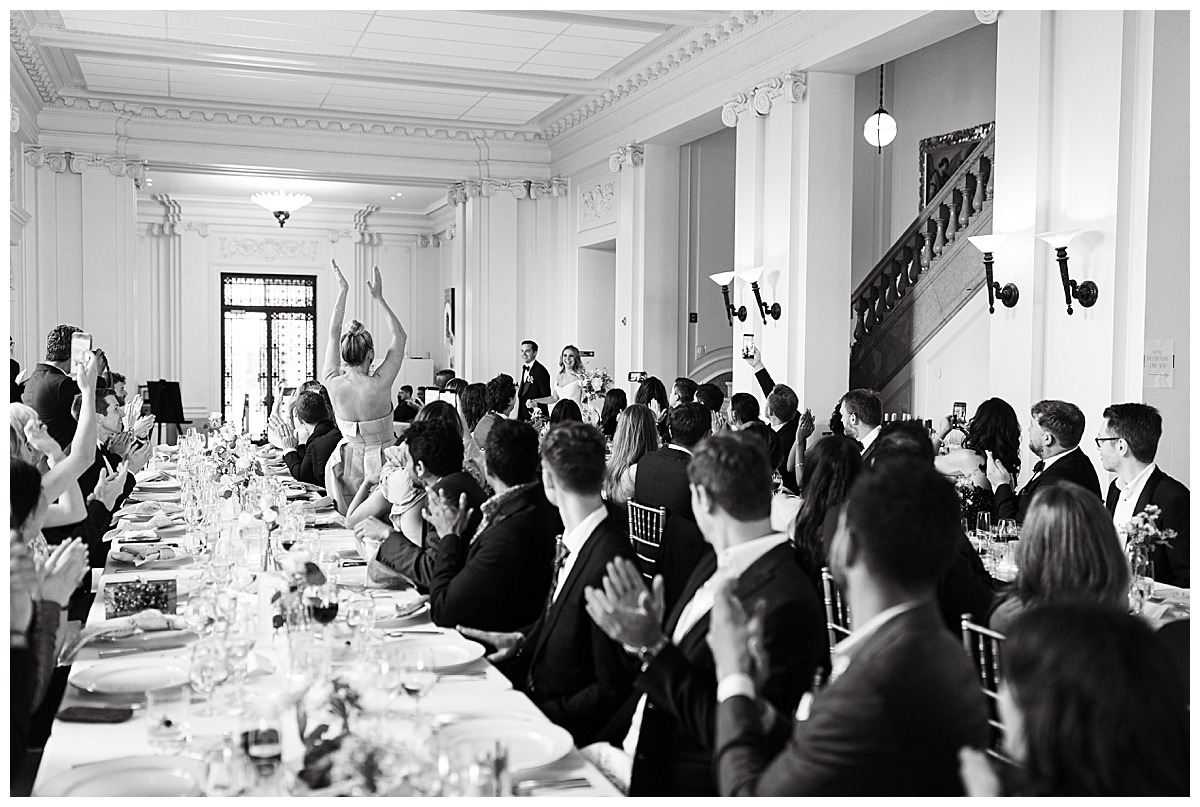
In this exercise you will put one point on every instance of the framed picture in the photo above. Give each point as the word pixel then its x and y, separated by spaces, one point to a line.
pixel 941 156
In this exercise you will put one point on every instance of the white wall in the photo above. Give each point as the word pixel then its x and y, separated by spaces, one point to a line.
pixel 942 88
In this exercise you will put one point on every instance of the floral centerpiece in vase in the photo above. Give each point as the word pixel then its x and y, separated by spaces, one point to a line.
pixel 595 384
pixel 1142 534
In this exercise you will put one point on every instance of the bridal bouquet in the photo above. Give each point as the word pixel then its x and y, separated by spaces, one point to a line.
pixel 595 383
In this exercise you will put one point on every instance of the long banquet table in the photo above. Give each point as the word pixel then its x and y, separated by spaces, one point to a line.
pixel 74 744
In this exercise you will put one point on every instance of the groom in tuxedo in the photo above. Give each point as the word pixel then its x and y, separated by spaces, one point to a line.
pixel 535 380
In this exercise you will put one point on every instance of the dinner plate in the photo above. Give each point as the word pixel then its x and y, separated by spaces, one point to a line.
pixel 448 654
pixel 129 676
pixel 131 776
pixel 160 495
pixel 530 745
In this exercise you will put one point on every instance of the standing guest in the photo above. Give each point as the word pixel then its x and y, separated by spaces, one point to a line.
pixel 861 412
pixel 1091 706
pixel 783 414
pixel 362 400
pixel 670 733
pixel 1068 551
pixel 830 468
pixel 743 410
pixel 472 404
pixel 534 383
pixel 653 394
pixel 406 408
pixel 442 379
pixel 711 396
pixel 563 661
pixel 50 389
pixel 310 442
pixel 903 696
pixel 682 391
pixel 636 436
pixel 615 402
pixel 500 396
pixel 1055 429
pixel 1128 444
pixel 498 581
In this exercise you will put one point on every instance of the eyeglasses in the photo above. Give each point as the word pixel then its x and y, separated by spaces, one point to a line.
pixel 1100 440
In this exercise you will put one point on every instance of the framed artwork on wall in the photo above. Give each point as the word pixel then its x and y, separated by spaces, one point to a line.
pixel 941 156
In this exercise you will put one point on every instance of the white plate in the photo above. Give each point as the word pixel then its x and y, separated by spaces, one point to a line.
pixel 448 654
pixel 530 745
pixel 160 495
pixel 132 776
pixel 130 676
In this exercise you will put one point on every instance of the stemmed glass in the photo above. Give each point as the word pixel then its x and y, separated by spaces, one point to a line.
pixel 360 615
pixel 210 666
pixel 240 636
pixel 321 604
pixel 200 613
pixel 417 676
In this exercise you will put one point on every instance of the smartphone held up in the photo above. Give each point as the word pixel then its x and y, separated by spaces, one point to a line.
pixel 81 350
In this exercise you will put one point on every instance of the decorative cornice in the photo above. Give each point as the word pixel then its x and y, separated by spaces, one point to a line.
pixel 631 155
pixel 436 239
pixel 173 223
pixel 31 58
pixel 534 189
pixel 269 249
pixel 700 46
pixel 14 116
pixel 791 85
pixel 78 162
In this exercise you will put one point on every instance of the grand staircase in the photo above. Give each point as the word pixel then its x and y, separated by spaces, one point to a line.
pixel 926 277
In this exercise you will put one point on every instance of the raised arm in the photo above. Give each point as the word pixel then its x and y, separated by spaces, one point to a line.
pixel 333 348
pixel 83 447
pixel 389 368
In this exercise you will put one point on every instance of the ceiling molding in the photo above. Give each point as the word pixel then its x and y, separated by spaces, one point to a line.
pixel 348 68
pixel 701 45
pixel 31 58
pixel 625 20
pixel 260 172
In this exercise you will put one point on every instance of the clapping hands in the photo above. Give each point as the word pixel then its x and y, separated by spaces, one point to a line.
pixel 110 486
pixel 444 516
pixel 281 434
pixel 375 285
pixel 997 474
pixel 805 428
pixel 737 642
pixel 625 610
pixel 62 572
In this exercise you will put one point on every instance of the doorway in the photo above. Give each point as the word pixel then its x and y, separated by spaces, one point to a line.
pixel 598 304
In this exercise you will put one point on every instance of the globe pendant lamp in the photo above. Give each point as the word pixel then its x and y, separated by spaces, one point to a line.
pixel 880 128
pixel 281 205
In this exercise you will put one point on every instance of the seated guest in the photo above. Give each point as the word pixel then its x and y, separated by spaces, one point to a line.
pixel 1128 443
pixel 473 459
pixel 761 431
pixel 498 581
pixel 50 389
pixel 906 438
pixel 434 461
pixel 636 436
pixel 406 407
pixel 472 404
pixel 1068 551
pixel 1091 707
pixel 653 394
pixel 994 428
pixel 565 410
pixel 669 736
pixel 118 387
pixel 455 386
pixel 563 661
pixel 682 391
pixel 860 411
pixel 1055 429
pixel 308 443
pixel 500 396
pixel 661 480
pixel 711 396
pixel 903 697
pixel 615 402
pixel 743 410
pixel 830 468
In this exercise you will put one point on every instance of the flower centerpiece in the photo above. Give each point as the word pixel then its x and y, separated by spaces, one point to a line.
pixel 1142 534
pixel 595 383
pixel 299 571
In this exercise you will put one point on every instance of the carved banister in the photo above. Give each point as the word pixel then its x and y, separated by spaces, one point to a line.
pixel 936 228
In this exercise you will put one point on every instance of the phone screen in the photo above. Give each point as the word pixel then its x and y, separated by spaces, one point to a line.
pixel 960 412
pixel 747 345
pixel 289 390
pixel 81 345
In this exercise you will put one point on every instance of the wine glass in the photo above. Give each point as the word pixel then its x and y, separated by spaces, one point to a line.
pixel 1006 529
pixel 983 523
pixel 321 603
pixel 360 615
pixel 417 676
pixel 387 675
pixel 240 636
pixel 210 667
pixel 200 613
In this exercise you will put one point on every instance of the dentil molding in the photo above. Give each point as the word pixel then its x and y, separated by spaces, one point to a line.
pixel 789 86
pixel 77 162
pixel 534 189
pixel 632 155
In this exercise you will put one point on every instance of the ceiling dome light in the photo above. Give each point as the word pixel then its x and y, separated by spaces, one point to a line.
pixel 880 128
pixel 282 205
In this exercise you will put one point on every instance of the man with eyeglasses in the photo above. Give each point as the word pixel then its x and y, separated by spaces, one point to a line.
pixel 1128 443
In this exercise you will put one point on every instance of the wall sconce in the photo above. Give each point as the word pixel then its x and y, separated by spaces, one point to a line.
pixel 1085 292
pixel 752 276
pixel 987 244
pixel 723 279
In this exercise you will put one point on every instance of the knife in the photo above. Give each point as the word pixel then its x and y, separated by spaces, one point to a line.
pixel 125 651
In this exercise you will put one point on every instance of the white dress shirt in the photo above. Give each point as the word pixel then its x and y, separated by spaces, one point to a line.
pixel 870 438
pixel 732 562
pixel 1123 513
pixel 574 541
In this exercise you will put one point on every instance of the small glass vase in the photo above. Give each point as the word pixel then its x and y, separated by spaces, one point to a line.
pixel 1141 576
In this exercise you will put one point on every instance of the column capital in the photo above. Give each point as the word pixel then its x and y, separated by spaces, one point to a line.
pixel 436 239
pixel 791 86
pixel 77 162
pixel 487 187
pixel 631 154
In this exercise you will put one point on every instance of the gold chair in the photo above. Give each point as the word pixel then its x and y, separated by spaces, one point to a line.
pixel 983 645
pixel 646 533
pixel 837 613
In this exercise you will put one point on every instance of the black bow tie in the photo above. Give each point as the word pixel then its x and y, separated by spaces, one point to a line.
pixel 1038 467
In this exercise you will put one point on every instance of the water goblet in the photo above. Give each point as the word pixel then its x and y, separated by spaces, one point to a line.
pixel 210 667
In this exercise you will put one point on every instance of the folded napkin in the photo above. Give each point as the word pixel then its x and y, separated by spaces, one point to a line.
pixel 148 475
pixel 149 620
pixel 141 509
pixel 138 555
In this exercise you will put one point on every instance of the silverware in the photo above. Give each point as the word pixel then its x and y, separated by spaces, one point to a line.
pixel 453 677
pixel 527 786
pixel 413 630
pixel 125 651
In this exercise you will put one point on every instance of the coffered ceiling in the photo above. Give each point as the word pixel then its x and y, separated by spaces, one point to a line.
pixel 478 68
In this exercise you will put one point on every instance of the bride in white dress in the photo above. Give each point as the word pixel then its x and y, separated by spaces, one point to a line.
pixel 568 384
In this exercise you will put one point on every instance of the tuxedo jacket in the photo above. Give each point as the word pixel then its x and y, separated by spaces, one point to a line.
pixel 1172 564
pixel 890 725
pixel 574 673
pixel 1074 466
pixel 536 384
pixel 402 556
pixel 50 392
pixel 307 462
pixel 499 580
pixel 675 746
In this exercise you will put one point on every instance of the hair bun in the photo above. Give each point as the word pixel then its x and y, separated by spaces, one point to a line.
pixel 354 328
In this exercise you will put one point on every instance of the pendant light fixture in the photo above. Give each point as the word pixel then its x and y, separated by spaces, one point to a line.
pixel 282 205
pixel 880 128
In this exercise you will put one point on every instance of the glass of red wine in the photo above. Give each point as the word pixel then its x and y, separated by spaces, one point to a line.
pixel 321 603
